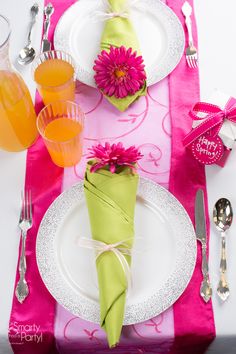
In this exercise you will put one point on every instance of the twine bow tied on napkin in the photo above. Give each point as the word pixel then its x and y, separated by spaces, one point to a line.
pixel 213 120
pixel 123 12
pixel 103 16
pixel 120 249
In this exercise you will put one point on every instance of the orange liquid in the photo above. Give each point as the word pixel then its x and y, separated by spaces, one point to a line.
pixel 65 145
pixel 55 80
pixel 17 116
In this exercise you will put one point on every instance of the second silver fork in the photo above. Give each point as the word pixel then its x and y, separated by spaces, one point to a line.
pixel 191 51
pixel 25 223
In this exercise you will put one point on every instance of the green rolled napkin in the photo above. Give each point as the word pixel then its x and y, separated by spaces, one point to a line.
pixel 111 199
pixel 119 31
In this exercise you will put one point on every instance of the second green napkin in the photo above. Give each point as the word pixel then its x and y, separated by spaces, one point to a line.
pixel 119 33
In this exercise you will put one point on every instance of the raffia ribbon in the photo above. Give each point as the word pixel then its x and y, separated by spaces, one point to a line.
pixel 119 249
pixel 108 14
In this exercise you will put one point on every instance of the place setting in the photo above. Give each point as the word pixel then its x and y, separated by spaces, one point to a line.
pixel 114 220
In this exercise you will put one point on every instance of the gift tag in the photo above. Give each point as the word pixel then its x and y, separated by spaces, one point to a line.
pixel 208 149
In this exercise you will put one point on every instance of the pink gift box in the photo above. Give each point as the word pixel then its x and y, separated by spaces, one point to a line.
pixel 227 132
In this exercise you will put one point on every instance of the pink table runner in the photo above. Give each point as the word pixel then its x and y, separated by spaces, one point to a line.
pixel 142 122
pixel 194 321
pixel 189 324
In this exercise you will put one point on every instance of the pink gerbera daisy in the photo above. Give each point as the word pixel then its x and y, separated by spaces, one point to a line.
pixel 113 156
pixel 120 72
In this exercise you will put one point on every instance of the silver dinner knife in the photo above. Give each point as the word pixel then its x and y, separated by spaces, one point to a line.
pixel 200 225
pixel 48 11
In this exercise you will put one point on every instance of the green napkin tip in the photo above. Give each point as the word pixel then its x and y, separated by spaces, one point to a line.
pixel 113 345
pixel 122 104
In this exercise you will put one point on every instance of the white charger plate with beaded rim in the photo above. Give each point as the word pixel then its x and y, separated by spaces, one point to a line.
pixel 163 256
pixel 159 31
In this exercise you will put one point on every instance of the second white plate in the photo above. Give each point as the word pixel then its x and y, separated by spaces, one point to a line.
pixel 159 31
pixel 163 257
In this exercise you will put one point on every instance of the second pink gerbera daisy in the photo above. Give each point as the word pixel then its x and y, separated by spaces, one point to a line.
pixel 119 72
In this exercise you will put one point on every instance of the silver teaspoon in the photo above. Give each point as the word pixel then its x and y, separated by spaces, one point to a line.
pixel 223 217
pixel 27 54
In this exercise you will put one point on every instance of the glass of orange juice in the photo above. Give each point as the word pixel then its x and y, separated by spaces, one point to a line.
pixel 54 74
pixel 61 126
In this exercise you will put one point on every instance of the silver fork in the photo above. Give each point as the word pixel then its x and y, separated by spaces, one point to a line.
pixel 25 223
pixel 191 51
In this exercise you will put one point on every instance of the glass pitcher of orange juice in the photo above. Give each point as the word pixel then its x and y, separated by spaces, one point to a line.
pixel 18 128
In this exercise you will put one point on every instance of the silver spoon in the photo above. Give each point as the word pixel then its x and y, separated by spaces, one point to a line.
pixel 223 217
pixel 27 54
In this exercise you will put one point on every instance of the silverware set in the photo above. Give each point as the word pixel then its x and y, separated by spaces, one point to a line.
pixel 222 217
pixel 28 53
pixel 191 51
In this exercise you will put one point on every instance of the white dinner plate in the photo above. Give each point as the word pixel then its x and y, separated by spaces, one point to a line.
pixel 163 258
pixel 159 31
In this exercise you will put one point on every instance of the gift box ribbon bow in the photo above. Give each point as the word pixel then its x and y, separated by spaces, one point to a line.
pixel 212 121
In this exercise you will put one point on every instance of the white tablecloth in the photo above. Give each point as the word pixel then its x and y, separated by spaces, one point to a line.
pixel 217 49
